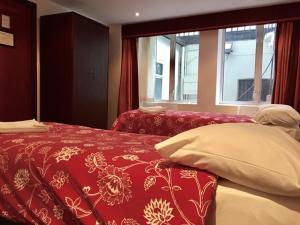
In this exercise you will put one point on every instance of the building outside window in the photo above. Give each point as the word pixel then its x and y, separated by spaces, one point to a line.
pixel 248 64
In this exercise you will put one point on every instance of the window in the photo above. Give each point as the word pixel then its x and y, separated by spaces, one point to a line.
pixel 171 64
pixel 248 64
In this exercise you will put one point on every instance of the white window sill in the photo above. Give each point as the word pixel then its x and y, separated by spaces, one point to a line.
pixel 168 103
pixel 242 104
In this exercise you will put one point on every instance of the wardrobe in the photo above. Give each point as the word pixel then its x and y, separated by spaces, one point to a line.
pixel 74 70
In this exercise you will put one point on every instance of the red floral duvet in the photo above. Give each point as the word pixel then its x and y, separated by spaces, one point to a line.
pixel 171 122
pixel 79 175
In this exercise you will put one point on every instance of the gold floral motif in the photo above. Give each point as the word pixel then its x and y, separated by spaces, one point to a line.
pixel 66 153
pixel 129 222
pixel 44 150
pixel 94 161
pixel 4 213
pixel 44 195
pixel 17 141
pixel 157 121
pixel 149 182
pixel 188 173
pixel 5 189
pixel 21 179
pixel 43 216
pixel 112 222
pixel 158 212
pixel 131 115
pixel 213 182
pixel 180 120
pixel 58 212
pixel 74 207
pixel 124 222
pixel 130 157
pixel 86 189
pixel 4 162
pixel 114 185
pixel 59 179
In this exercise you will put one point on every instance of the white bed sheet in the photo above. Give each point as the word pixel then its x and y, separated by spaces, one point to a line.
pixel 239 205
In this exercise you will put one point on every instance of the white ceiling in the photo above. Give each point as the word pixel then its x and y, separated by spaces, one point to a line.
pixel 123 11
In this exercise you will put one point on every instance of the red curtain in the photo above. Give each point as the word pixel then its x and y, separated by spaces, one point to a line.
pixel 129 90
pixel 287 70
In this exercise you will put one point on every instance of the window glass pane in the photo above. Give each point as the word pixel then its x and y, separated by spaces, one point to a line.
pixel 158 88
pixel 186 67
pixel 268 61
pixel 239 64
pixel 162 73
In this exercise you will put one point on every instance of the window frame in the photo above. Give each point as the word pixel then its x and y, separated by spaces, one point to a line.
pixel 172 88
pixel 257 69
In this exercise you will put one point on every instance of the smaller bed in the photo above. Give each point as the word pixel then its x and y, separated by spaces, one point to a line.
pixel 170 122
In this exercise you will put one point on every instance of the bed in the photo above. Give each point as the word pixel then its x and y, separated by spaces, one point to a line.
pixel 171 122
pixel 79 175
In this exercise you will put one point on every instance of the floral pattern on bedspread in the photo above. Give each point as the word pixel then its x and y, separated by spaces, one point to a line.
pixel 80 175
pixel 171 122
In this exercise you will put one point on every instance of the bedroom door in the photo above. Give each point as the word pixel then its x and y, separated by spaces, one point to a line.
pixel 17 60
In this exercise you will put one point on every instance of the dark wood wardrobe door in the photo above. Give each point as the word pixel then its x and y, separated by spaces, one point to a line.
pixel 18 63
pixel 56 67
pixel 90 72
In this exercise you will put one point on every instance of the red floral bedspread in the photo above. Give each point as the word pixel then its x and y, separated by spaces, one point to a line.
pixel 78 175
pixel 171 122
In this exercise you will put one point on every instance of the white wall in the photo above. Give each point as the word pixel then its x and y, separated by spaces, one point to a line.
pixel 44 7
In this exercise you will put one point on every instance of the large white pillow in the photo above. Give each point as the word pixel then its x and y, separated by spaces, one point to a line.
pixel 294 132
pixel 254 155
pixel 278 115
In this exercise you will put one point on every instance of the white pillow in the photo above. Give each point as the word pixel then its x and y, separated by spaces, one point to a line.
pixel 254 155
pixel 278 115
pixel 294 132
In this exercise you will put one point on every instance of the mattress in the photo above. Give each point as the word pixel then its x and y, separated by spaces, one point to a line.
pixel 239 205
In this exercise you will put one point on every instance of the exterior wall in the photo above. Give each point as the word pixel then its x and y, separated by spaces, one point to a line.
pixel 240 64
pixel 191 67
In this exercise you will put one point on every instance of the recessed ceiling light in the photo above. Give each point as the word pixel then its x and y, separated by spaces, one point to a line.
pixel 137 14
